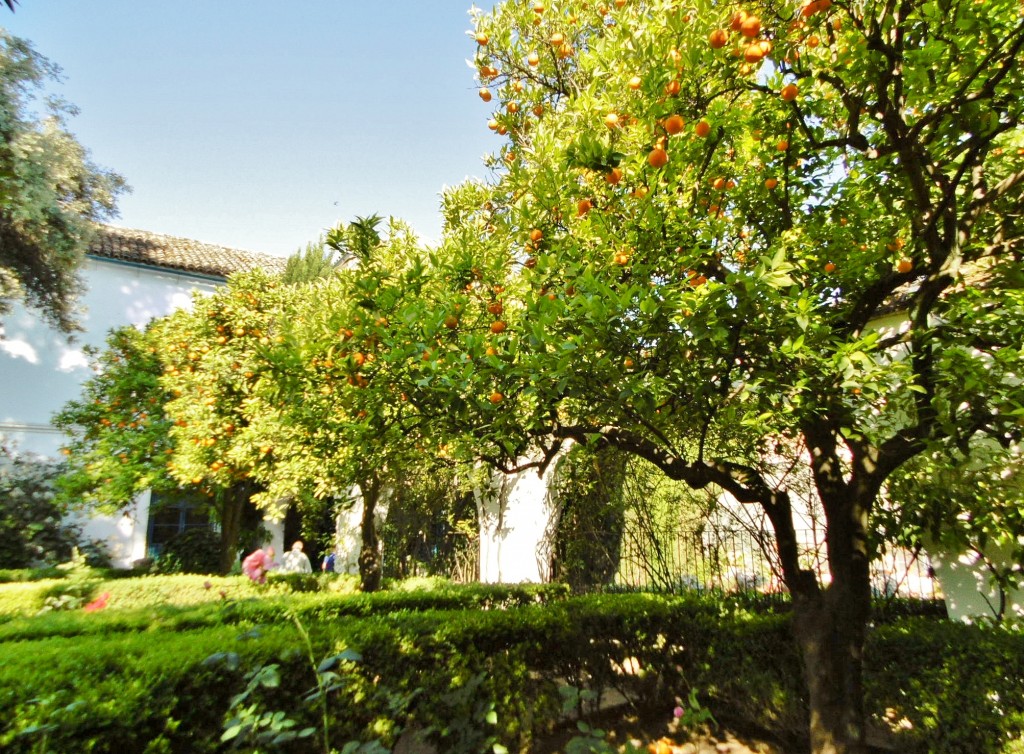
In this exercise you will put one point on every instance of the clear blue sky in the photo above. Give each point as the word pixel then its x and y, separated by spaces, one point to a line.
pixel 257 124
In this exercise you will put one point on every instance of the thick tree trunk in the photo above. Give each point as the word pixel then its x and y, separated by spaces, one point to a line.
pixel 232 505
pixel 831 639
pixel 370 566
pixel 830 622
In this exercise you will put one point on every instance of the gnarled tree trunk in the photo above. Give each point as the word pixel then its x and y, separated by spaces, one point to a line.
pixel 830 622
pixel 370 566
pixel 233 502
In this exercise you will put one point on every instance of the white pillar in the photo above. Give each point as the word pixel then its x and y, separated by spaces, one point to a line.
pixel 967 584
pixel 348 529
pixel 276 529
pixel 518 516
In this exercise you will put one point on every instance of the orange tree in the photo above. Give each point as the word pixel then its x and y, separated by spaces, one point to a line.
pixel 700 216
pixel 225 438
pixel 333 381
pixel 118 442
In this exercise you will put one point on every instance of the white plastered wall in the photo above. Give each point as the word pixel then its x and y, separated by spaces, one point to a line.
pixel 40 371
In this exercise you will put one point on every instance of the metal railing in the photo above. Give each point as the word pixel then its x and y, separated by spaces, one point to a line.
pixel 740 560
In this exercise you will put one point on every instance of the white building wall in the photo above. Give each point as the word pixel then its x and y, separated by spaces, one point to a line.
pixel 123 534
pixel 40 371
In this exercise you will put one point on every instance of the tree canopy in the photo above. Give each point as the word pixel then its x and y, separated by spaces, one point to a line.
pixel 718 237
pixel 721 234
pixel 50 192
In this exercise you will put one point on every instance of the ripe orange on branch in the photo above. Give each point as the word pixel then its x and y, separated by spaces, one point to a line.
pixel 789 92
pixel 658 158
pixel 702 129
pixel 753 53
pixel 750 27
pixel 718 39
pixel 815 6
pixel 674 124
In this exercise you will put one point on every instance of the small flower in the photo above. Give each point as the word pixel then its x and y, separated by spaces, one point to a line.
pixel 97 604
pixel 677 713
pixel 223 594
pixel 207 585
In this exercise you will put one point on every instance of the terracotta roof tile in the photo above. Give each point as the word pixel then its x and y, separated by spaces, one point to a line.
pixel 170 252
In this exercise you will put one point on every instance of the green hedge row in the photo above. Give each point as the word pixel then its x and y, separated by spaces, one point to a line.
pixel 151 608
pixel 9 575
pixel 465 679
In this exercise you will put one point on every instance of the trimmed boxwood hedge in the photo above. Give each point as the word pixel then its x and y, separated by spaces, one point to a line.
pixel 942 687
pixel 196 606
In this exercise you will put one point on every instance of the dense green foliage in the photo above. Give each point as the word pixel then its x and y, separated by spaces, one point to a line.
pixel 32 530
pixel 316 260
pixel 50 191
pixel 152 679
pixel 117 429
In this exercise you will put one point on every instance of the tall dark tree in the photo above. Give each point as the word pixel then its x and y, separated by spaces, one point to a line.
pixel 50 192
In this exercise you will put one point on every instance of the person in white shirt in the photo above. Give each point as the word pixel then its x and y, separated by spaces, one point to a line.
pixel 295 560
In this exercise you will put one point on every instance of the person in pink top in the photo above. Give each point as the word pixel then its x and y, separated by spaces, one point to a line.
pixel 256 564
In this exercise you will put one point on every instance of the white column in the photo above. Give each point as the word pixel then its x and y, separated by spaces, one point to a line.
pixel 518 516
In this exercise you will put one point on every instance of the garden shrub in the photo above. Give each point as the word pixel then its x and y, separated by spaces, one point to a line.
pixel 463 677
pixel 73 591
pixel 14 575
pixel 189 601
pixel 297 582
pixel 948 686
pixel 32 527
pixel 890 609
pixel 415 672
